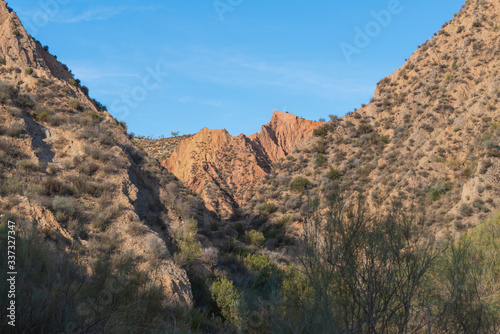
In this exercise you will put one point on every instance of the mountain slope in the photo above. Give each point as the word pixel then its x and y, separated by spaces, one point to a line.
pixel 70 168
pixel 429 137
pixel 224 169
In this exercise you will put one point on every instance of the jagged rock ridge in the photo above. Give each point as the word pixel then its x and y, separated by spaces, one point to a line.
pixel 224 169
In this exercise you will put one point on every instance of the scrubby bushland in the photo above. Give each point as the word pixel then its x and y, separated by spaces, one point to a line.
pixel 362 273
pixel 55 295
pixel 466 281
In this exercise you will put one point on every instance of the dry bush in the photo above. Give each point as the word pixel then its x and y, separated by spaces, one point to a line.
pixel 155 248
pixel 14 129
pixel 97 153
pixel 88 168
pixel 210 256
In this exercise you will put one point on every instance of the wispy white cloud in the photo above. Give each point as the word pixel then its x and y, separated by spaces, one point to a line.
pixel 105 13
pixel 232 68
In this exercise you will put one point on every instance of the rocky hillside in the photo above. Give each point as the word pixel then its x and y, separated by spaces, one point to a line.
pixel 224 169
pixel 430 137
pixel 69 167
pixel 125 244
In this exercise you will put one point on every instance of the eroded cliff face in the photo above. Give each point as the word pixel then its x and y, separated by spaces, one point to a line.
pixel 225 170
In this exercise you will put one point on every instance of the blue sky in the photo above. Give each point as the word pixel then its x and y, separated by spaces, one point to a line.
pixel 180 65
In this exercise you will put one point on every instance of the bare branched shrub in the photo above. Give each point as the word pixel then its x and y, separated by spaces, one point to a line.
pixel 156 248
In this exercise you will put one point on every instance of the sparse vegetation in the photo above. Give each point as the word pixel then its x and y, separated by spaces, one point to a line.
pixel 189 247
pixel 440 189
pixel 256 238
pixel 59 296
pixel 465 210
pixel 281 242
pixel 74 104
pixel 267 208
pixel 320 159
pixel 229 301
pixel 43 116
pixel 321 131
pixel 333 174
pixel 122 126
pixel 300 184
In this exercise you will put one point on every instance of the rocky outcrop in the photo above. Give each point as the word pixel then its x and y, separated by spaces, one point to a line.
pixel 279 137
pixel 225 170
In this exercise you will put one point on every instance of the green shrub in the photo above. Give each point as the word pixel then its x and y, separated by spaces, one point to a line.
pixel 122 126
pixel 267 208
pixel 11 186
pixel 97 153
pixel 459 225
pixel 88 168
pixel 256 238
pixel 293 203
pixel 28 70
pixel 440 189
pixel 256 263
pixel 43 116
pixel 156 248
pixel 333 174
pixel 92 114
pixel 285 220
pixel 53 187
pixel 74 103
pixel 104 215
pixel 320 159
pixel 63 207
pixel 15 32
pixel 72 82
pixel 300 184
pixel 321 131
pixel 229 301
pixel 189 248
pixel 62 204
pixel 490 144
pixel 385 139
pixel 240 229
pixel 466 282
pixel 466 210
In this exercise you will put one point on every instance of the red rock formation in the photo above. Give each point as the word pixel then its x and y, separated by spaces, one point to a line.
pixel 224 169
